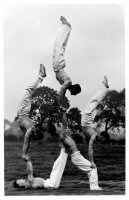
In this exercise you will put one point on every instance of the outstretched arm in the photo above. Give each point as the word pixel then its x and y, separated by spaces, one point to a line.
pixel 63 91
pixel 61 129
pixel 29 171
pixel 64 120
pixel 90 150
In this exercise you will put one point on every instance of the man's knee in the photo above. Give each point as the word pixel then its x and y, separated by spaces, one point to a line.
pixel 29 131
pixel 26 124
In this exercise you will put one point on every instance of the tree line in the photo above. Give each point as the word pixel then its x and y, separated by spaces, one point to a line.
pixel 110 115
pixel 110 112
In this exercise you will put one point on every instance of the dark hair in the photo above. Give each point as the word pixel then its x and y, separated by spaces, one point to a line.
pixel 15 184
pixel 52 129
pixel 74 89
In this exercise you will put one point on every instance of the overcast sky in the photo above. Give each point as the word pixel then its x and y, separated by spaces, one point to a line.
pixel 95 48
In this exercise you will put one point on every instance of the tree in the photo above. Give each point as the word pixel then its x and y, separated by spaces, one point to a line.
pixel 111 111
pixel 122 107
pixel 45 100
pixel 74 119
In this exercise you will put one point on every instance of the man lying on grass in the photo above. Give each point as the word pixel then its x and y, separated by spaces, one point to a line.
pixel 55 178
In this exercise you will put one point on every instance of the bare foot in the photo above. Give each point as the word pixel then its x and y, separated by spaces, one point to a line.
pixel 42 71
pixel 105 82
pixel 64 21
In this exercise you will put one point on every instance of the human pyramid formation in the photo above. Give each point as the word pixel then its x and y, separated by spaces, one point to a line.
pixel 68 146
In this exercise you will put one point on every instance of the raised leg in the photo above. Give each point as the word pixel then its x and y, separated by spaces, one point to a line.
pixel 25 104
pixel 60 45
pixel 98 97
pixel 57 171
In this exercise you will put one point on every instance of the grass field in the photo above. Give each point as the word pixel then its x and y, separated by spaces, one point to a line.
pixel 110 161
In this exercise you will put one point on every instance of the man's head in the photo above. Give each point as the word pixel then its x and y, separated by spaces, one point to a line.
pixel 48 126
pixel 74 89
pixel 21 183
pixel 52 129
pixel 45 124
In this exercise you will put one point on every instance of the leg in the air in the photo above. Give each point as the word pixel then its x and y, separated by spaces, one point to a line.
pixel 60 45
pixel 25 104
pixel 24 121
pixel 98 97
pixel 57 171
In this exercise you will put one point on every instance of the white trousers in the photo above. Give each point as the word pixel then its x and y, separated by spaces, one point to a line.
pixel 87 115
pixel 78 160
pixel 25 104
pixel 85 165
pixel 59 47
pixel 57 171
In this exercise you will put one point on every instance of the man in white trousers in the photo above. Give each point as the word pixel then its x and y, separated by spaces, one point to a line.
pixel 87 120
pixel 59 61
pixel 38 182
pixel 59 165
pixel 23 115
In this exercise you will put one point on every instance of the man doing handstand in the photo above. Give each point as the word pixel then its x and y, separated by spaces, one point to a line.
pixel 59 62
pixel 87 121
pixel 23 115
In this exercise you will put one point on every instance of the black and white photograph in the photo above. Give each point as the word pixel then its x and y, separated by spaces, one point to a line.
pixel 64 99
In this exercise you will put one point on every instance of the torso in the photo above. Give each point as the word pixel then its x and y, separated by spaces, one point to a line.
pixel 62 76
pixel 38 182
pixel 69 144
pixel 66 140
